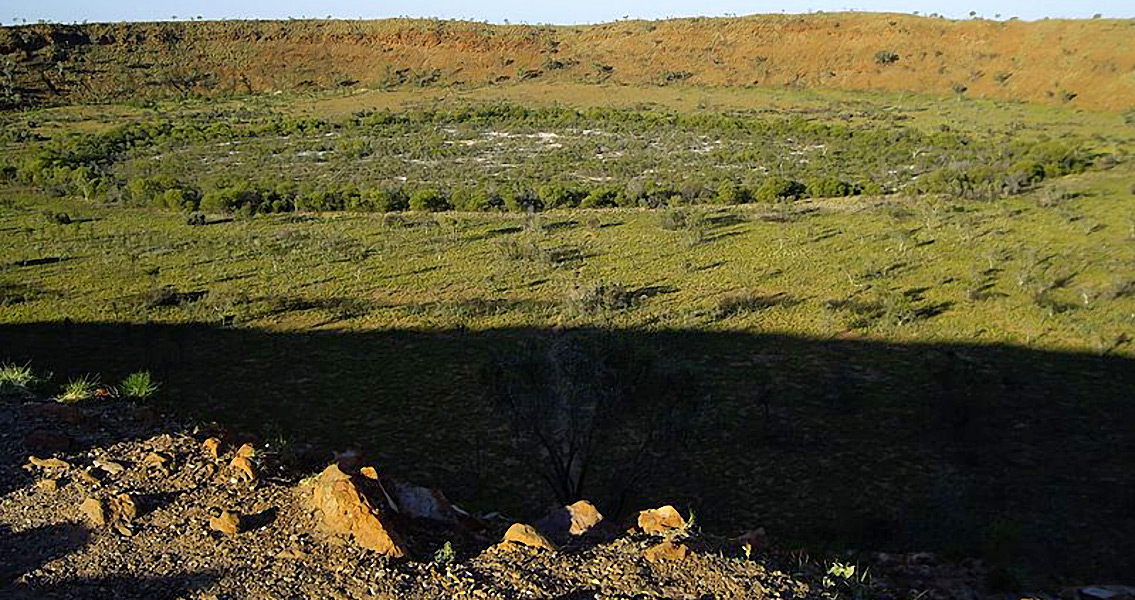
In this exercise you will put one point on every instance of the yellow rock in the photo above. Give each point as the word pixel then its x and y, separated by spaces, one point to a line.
pixel 526 535
pixel 661 521
pixel 95 511
pixel 346 509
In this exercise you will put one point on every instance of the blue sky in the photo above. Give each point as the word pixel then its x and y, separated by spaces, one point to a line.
pixel 560 12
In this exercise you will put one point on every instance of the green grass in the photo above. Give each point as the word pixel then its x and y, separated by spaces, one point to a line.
pixel 1017 271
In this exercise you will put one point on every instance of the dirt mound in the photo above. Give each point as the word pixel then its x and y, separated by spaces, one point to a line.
pixel 1088 63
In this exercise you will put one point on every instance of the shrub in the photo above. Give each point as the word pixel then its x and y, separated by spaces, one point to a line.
pixel 871 188
pixel 520 199
pixel 604 197
pixel 476 199
pixel 747 301
pixel 583 398
pixel 560 195
pixel 428 200
pixel 598 298
pixel 222 201
pixel 886 57
pixel 673 219
pixel 778 189
pixel 379 200
pixel 177 199
pixel 523 249
pixel 57 218
pixel 828 187
pixel 196 219
pixel 730 193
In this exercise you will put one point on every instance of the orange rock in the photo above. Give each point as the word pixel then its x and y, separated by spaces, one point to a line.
pixel 369 473
pixel 244 469
pixel 661 521
pixel 526 535
pixel 572 520
pixel 666 551
pixel 212 447
pixel 346 509
pixel 227 523
pixel 246 451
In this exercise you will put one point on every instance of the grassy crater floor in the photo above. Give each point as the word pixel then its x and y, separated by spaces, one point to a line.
pixel 884 373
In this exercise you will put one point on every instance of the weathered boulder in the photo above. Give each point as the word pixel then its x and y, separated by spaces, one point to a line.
pixel 666 551
pixel 526 535
pixel 661 521
pixel 346 509
pixel 571 520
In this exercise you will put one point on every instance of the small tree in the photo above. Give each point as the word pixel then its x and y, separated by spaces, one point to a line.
pixel 566 399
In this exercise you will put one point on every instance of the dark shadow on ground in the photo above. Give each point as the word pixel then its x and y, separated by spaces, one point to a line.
pixel 1008 453
pixel 114 587
pixel 29 550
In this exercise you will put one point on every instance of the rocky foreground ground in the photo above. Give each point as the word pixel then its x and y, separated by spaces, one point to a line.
pixel 108 499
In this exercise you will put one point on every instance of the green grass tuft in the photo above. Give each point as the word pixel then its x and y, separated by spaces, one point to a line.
pixel 79 389
pixel 139 386
pixel 16 378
